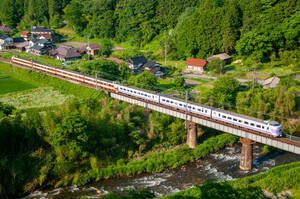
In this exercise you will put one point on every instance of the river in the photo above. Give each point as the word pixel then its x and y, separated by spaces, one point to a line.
pixel 220 166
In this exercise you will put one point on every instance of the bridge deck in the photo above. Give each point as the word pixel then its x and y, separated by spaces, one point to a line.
pixel 290 143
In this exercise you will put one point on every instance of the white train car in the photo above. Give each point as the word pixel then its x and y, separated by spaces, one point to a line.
pixel 268 127
pixel 140 93
pixel 185 106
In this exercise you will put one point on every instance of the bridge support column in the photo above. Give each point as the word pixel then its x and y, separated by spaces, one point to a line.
pixel 247 154
pixel 147 112
pixel 192 135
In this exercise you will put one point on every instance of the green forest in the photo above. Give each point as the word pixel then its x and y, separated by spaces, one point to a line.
pixel 91 137
pixel 262 30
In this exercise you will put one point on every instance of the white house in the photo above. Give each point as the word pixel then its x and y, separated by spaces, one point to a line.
pixel 4 39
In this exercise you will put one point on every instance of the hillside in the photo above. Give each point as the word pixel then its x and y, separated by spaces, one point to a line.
pixel 261 30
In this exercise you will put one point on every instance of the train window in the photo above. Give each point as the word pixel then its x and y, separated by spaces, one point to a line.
pixel 251 124
pixel 205 111
pixel 223 116
pixel 229 118
pixel 193 108
pixel 189 106
pixel 219 115
pixel 167 100
pixel 240 121
pixel 163 100
pixel 199 110
pixel 234 119
pixel 263 127
pixel 134 91
pixel 258 126
pixel 246 122
pixel 180 104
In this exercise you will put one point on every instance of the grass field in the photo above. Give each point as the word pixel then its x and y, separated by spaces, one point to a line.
pixel 9 84
pixel 35 98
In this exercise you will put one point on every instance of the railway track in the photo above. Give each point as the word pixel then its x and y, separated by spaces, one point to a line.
pixel 293 140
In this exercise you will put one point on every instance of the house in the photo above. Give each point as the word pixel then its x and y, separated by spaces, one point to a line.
pixel 26 35
pixel 194 65
pixel 154 68
pixel 37 50
pixel 116 60
pixel 41 32
pixel 271 82
pixel 40 42
pixel 18 40
pixel 92 49
pixel 4 39
pixel 65 53
pixel 21 47
pixel 5 29
pixel 223 56
pixel 40 46
pixel 136 62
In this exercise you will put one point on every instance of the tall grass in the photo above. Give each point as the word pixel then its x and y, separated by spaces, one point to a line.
pixel 275 180
pixel 154 162
pixel 35 98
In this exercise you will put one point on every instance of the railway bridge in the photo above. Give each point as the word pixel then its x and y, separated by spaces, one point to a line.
pixel 248 137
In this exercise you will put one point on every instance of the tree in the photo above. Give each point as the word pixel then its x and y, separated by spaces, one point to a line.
pixel 146 80
pixel 105 49
pixel 125 71
pixel 75 16
pixel 224 92
pixel 72 134
pixel 179 83
pixel 215 65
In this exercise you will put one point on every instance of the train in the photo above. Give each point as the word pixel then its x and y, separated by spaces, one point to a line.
pixel 272 128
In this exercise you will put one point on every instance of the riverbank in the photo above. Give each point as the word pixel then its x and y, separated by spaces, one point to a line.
pixel 282 182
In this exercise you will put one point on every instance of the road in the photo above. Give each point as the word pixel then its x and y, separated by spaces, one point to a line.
pixel 214 78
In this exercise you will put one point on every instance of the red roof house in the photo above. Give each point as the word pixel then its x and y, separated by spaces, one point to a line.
pixel 116 60
pixel 195 65
pixel 26 35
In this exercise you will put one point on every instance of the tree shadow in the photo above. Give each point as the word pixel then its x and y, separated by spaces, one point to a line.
pixel 21 150
pixel 214 190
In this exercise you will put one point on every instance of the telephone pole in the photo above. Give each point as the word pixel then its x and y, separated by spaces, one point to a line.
pixel 254 78
pixel 166 56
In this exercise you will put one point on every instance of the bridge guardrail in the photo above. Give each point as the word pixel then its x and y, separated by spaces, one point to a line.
pixel 290 137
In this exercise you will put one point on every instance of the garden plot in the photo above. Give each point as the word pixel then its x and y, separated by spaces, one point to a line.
pixel 35 98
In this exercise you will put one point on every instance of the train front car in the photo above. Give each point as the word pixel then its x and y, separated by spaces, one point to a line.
pixel 274 128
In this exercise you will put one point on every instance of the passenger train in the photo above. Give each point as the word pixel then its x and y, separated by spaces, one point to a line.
pixel 268 127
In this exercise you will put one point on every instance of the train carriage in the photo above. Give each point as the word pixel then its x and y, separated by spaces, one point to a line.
pixel 269 127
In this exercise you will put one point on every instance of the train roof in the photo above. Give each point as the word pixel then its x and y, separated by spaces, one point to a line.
pixel 240 115
pixel 140 89
pixel 63 69
pixel 182 100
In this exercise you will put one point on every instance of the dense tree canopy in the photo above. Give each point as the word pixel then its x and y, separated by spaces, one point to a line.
pixel 192 28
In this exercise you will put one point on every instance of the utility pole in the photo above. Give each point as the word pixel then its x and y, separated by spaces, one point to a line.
pixel 166 56
pixel 96 76
pixel 186 108
pixel 88 47
pixel 254 78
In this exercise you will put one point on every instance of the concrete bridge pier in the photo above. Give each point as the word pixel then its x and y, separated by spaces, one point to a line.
pixel 192 135
pixel 247 154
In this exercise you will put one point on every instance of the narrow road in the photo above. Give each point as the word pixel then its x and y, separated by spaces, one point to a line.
pixel 187 75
